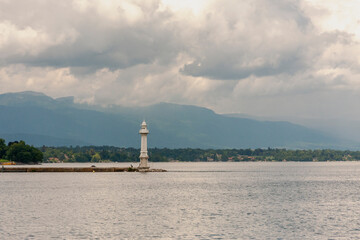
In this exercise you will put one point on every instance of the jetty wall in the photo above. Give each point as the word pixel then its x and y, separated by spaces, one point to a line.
pixel 76 169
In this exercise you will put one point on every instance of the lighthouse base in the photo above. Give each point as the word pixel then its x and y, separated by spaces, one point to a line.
pixel 143 163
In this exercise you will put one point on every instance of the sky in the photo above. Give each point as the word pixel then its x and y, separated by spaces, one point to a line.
pixel 296 58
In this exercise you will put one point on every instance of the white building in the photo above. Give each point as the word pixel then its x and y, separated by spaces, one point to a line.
pixel 143 152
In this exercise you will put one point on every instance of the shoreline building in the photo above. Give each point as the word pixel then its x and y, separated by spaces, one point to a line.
pixel 143 152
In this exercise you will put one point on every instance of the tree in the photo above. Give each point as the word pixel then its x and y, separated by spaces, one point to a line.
pixel 21 152
pixel 156 157
pixel 82 157
pixel 96 158
pixel 3 148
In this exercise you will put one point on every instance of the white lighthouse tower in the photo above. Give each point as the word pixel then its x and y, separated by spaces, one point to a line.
pixel 143 152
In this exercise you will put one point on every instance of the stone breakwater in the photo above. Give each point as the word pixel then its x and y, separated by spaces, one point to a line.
pixel 76 169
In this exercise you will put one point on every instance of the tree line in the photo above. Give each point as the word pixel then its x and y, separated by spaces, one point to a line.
pixel 19 152
pixel 116 154
pixel 24 153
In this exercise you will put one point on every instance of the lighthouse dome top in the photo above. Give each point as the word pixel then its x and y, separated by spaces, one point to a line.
pixel 144 129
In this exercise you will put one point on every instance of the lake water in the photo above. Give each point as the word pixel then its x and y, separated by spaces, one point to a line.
pixel 192 201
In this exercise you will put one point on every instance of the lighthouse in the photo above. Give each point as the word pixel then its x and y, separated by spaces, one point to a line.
pixel 143 152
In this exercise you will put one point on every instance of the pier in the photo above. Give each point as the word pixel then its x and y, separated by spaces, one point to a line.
pixel 76 169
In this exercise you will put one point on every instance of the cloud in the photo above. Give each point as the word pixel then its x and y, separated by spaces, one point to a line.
pixel 229 40
pixel 94 34
pixel 260 38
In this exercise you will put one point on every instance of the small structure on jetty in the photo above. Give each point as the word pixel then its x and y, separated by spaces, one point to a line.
pixel 143 151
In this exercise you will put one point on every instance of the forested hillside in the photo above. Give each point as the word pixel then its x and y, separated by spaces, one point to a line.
pixel 42 120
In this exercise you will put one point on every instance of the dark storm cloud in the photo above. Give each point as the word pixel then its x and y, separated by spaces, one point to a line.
pixel 89 39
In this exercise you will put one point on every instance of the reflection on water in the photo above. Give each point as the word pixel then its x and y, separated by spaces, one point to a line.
pixel 191 201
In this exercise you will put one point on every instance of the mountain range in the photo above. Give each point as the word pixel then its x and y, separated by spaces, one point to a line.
pixel 41 120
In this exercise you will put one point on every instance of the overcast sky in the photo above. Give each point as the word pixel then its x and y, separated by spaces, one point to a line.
pixel 259 57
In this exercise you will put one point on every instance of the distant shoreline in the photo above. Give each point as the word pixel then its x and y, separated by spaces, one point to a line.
pixel 117 154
